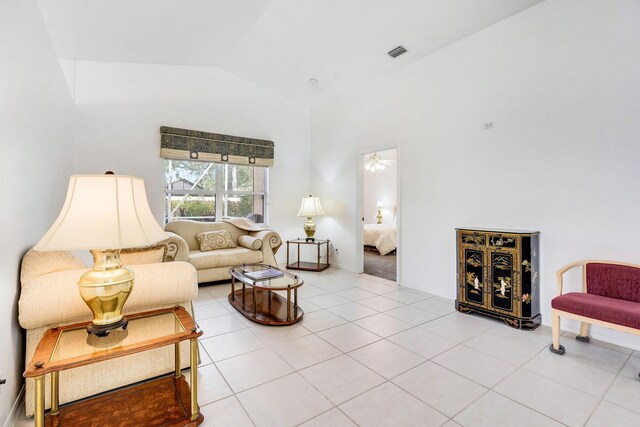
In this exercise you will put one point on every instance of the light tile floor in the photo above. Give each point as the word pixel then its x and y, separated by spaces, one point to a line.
pixel 370 353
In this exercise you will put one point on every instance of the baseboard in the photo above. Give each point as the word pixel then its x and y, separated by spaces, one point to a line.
pixel 342 267
pixel 18 407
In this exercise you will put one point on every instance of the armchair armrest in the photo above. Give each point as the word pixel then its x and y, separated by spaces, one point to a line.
pixel 178 250
pixel 560 273
pixel 271 242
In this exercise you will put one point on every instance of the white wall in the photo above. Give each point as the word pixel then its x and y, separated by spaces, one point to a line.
pixel 35 141
pixel 380 186
pixel 560 82
pixel 121 106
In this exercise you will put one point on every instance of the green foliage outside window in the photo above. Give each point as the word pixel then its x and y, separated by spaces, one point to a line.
pixel 184 175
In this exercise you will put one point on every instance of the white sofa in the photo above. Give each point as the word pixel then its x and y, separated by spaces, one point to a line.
pixel 214 265
pixel 49 296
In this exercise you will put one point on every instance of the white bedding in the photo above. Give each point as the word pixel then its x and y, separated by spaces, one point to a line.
pixel 382 236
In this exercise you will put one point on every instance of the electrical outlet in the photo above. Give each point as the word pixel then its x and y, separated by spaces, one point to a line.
pixel 488 125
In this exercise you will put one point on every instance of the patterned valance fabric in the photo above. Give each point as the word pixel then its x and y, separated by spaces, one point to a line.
pixel 184 144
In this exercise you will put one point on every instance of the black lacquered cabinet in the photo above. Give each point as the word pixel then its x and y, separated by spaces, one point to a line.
pixel 498 275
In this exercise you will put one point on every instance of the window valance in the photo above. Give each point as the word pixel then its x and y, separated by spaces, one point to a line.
pixel 184 144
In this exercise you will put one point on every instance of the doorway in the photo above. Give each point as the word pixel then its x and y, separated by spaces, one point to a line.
pixel 378 200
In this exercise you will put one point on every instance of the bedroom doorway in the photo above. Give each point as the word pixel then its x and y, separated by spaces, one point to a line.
pixel 379 213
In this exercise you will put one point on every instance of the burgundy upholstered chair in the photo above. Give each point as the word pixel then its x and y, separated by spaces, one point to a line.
pixel 610 297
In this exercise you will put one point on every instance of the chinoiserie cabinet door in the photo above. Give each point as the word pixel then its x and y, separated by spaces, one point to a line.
pixel 473 275
pixel 472 271
pixel 504 281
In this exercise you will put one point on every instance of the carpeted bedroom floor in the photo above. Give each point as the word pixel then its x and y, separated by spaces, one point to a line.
pixel 380 266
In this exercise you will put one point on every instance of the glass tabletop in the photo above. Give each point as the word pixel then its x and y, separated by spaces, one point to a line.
pixel 73 343
pixel 283 282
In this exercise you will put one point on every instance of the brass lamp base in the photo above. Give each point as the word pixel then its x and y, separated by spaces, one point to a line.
pixel 379 216
pixel 103 330
pixel 310 229
pixel 105 289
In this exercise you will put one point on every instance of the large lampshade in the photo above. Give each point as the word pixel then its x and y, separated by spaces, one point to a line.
pixel 103 212
pixel 310 207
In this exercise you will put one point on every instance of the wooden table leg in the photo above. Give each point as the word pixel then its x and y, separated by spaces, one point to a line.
pixel 55 393
pixel 233 288
pixel 289 303
pixel 255 303
pixel 177 359
pixel 195 410
pixel 39 410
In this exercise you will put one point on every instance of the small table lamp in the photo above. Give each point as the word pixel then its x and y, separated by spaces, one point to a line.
pixel 379 216
pixel 310 207
pixel 104 213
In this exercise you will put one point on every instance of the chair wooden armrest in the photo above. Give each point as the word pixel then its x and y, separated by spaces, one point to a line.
pixel 582 263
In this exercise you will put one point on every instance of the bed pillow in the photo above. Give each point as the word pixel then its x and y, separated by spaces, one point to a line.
pixel 250 242
pixel 213 240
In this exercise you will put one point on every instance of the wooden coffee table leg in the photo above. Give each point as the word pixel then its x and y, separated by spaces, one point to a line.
pixel 195 410
pixel 39 410
pixel 55 387
pixel 255 303
pixel 288 303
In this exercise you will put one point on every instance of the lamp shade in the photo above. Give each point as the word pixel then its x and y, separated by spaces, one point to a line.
pixel 103 212
pixel 310 207
pixel 379 204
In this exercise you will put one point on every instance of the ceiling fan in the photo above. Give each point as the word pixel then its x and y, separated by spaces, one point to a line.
pixel 376 163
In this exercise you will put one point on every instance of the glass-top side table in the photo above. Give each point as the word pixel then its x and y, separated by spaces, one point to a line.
pixel 305 265
pixel 68 347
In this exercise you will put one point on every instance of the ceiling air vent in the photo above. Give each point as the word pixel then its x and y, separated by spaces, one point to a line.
pixel 394 53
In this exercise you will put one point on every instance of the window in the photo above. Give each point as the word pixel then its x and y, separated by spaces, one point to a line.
pixel 206 191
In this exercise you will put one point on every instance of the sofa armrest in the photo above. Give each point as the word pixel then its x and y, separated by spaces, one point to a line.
pixel 53 298
pixel 178 250
pixel 271 242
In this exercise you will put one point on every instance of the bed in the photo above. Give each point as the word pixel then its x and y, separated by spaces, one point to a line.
pixel 382 236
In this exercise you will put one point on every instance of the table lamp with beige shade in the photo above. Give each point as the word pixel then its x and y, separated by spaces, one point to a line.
pixel 310 208
pixel 103 214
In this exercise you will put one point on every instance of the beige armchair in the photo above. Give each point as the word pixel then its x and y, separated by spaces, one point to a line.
pixel 214 265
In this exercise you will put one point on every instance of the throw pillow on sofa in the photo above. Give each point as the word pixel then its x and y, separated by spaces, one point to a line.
pixel 212 240
pixel 147 255
pixel 250 242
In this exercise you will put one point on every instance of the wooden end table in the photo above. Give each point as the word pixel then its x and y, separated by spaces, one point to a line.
pixel 262 304
pixel 68 347
pixel 308 266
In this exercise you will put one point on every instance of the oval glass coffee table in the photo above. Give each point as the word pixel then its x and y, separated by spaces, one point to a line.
pixel 262 303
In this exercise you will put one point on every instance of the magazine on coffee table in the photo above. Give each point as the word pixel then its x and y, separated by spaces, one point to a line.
pixel 268 273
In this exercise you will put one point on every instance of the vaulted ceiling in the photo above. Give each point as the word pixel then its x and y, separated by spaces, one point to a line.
pixel 277 44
